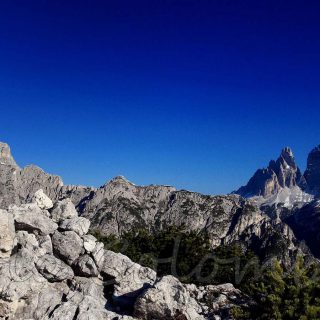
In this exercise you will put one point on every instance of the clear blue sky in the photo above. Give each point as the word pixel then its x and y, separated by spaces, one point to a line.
pixel 196 94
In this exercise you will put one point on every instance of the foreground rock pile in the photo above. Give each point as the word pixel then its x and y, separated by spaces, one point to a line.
pixel 50 268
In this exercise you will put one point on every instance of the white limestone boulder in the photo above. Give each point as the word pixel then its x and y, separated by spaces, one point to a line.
pixel 42 200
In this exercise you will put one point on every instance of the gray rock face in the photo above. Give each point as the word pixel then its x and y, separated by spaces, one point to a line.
pixel 305 222
pixel 98 255
pixel 32 178
pixel 19 277
pixel 120 206
pixel 217 301
pixel 5 155
pixel 170 299
pixel 36 284
pixel 9 173
pixel 7 234
pixel 46 301
pixel 67 245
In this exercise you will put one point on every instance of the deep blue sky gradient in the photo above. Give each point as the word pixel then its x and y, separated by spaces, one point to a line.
pixel 192 93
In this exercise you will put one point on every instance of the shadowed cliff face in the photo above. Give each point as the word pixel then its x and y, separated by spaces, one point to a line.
pixel 312 173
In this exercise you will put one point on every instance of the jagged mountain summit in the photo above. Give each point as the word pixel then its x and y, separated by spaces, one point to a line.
pixel 280 183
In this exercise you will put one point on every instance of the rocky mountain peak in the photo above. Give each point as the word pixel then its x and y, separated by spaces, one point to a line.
pixel 288 157
pixel 287 151
pixel 5 155
pixel 120 179
pixel 280 173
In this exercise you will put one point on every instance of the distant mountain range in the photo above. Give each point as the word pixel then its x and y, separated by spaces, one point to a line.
pixel 279 202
